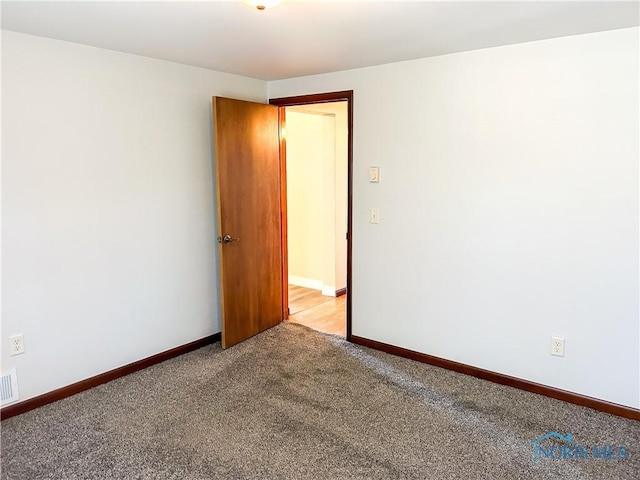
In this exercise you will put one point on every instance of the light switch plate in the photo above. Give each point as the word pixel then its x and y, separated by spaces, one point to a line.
pixel 374 174
pixel 374 215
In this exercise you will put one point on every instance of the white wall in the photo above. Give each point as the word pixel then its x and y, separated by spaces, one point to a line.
pixel 306 147
pixel 508 205
pixel 317 137
pixel 329 203
pixel 107 207
pixel 339 175
pixel 342 190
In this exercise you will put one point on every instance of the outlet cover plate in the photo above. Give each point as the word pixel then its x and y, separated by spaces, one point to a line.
pixel 557 346
pixel 16 344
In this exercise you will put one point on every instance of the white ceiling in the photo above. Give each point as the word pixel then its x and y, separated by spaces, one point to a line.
pixel 303 37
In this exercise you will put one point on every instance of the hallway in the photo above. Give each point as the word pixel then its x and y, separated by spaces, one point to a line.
pixel 310 308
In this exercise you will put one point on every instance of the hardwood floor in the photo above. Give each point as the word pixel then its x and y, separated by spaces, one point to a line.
pixel 310 308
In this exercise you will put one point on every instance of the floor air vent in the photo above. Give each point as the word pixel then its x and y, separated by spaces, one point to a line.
pixel 9 386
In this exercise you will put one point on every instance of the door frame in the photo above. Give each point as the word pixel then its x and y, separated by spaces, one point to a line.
pixel 281 103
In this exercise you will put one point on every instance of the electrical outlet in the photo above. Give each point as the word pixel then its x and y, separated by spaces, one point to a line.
pixel 557 346
pixel 16 344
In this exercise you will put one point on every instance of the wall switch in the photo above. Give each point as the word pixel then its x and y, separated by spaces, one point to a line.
pixel 16 344
pixel 374 174
pixel 374 215
pixel 557 346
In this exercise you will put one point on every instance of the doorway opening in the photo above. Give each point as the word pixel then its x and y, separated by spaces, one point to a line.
pixel 316 169
pixel 317 215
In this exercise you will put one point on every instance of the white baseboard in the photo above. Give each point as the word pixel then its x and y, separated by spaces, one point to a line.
pixel 306 282
pixel 329 291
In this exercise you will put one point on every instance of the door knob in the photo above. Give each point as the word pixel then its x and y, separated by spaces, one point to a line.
pixel 227 239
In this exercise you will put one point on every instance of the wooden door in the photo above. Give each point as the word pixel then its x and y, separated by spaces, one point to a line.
pixel 247 164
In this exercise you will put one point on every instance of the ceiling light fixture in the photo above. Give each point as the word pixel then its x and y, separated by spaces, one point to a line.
pixel 262 4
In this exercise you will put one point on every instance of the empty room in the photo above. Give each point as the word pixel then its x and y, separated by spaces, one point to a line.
pixel 447 191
